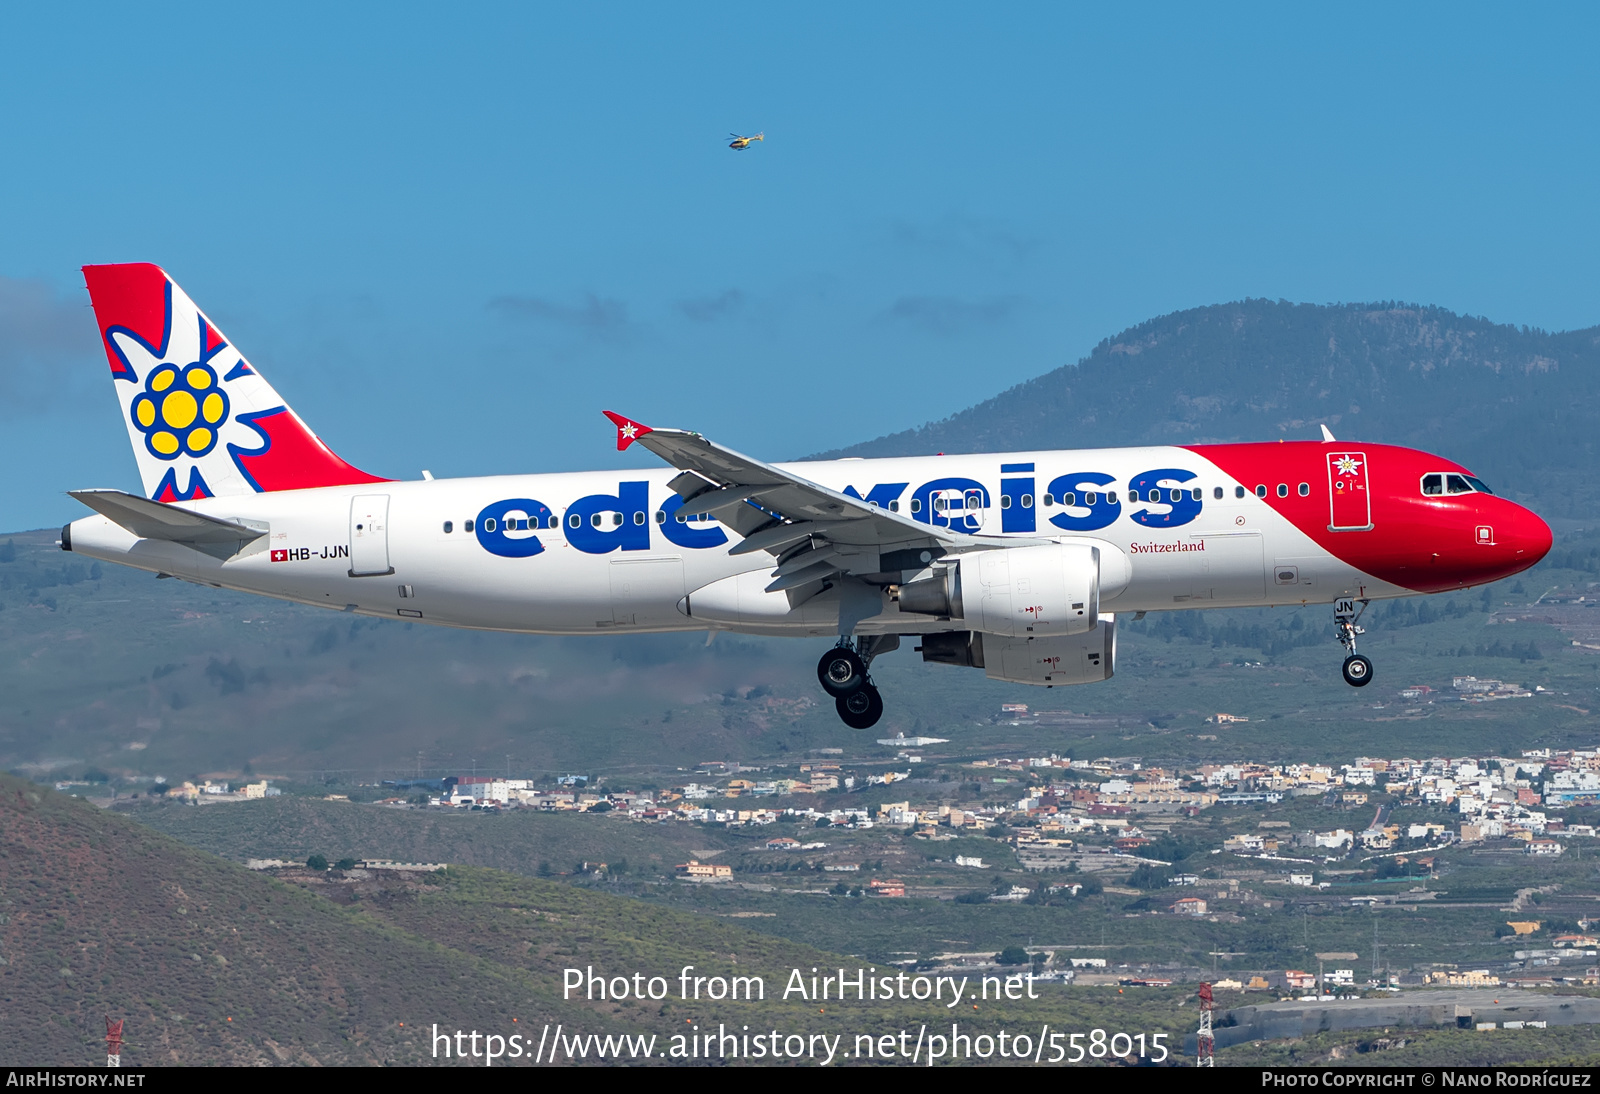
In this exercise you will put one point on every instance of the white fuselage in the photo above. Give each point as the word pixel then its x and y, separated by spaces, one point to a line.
pixel 403 549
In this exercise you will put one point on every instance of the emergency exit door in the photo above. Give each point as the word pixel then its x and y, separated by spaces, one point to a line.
pixel 369 535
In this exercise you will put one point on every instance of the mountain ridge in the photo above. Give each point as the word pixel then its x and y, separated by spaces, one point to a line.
pixel 1258 369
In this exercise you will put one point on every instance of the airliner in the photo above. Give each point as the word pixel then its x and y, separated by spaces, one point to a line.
pixel 1014 563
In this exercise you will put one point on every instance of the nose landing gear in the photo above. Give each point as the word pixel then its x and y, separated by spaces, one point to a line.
pixel 842 671
pixel 1357 668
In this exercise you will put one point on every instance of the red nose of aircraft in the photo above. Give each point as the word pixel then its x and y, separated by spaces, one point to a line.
pixel 1485 538
pixel 1506 539
pixel 1528 537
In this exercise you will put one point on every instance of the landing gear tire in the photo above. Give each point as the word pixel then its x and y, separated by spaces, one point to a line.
pixel 860 709
pixel 1357 671
pixel 1346 624
pixel 842 672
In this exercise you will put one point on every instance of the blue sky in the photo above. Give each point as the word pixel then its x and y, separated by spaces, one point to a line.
pixel 451 235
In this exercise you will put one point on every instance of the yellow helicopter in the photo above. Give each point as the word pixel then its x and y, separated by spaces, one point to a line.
pixel 739 144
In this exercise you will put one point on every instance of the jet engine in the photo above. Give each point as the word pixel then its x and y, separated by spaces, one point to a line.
pixel 1046 589
pixel 1058 660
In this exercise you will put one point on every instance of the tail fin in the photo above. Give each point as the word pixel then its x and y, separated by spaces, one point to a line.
pixel 202 420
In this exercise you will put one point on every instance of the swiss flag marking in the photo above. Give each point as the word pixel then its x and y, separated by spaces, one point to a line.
pixel 280 556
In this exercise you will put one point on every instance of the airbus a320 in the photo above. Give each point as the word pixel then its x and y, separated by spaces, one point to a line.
pixel 1017 563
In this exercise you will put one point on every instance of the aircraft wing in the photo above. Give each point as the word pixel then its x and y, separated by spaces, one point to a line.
pixel 148 519
pixel 777 511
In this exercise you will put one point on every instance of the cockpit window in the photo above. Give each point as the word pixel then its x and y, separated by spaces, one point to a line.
pixel 1446 482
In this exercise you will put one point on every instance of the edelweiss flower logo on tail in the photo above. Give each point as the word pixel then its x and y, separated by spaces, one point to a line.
pixel 180 411
pixel 179 393
pixel 203 422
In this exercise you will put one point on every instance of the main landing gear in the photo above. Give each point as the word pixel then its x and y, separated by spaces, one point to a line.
pixel 1357 668
pixel 843 675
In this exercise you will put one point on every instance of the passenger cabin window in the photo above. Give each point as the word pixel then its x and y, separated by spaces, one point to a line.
pixel 1238 492
pixel 1305 490
pixel 449 526
pixel 894 507
pixel 1283 490
pixel 1261 491
pixel 916 505
pixel 1027 501
pixel 1005 501
pixel 1217 493
pixel 661 516
pixel 1195 494
pixel 466 526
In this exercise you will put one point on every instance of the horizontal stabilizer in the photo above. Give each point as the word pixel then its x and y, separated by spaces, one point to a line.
pixel 148 519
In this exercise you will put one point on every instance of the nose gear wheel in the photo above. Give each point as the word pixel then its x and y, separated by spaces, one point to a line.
pixel 1357 668
pixel 1357 671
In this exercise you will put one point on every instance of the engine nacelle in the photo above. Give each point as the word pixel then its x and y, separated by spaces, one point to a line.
pixel 1048 589
pixel 1050 662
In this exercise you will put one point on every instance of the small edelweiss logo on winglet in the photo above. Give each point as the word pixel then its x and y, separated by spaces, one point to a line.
pixel 180 410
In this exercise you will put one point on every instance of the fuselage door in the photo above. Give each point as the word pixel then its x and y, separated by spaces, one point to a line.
pixel 645 591
pixel 369 535
pixel 1349 499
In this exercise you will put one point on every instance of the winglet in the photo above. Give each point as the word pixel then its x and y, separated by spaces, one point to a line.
pixel 628 430
pixel 1327 434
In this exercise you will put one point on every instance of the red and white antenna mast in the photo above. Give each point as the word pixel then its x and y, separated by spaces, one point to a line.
pixel 1205 1043
pixel 113 1042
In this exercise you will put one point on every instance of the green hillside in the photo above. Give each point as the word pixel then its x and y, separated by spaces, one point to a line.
pixel 99 915
pixel 1254 370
